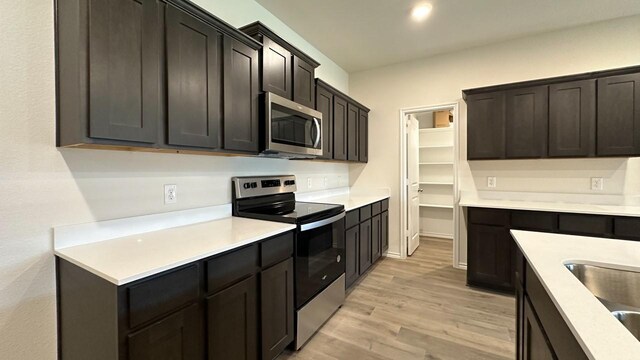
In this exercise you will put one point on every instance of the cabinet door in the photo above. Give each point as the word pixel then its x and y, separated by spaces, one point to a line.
pixel 194 75
pixel 304 87
pixel 619 115
pixel 486 126
pixel 536 345
pixel 572 115
pixel 384 231
pixel 277 308
pixel 176 337
pixel 124 68
pixel 526 122
pixel 489 256
pixel 353 133
pixel 324 104
pixel 376 245
pixel 233 322
pixel 365 246
pixel 340 137
pixel 363 136
pixel 276 69
pixel 240 97
pixel 352 254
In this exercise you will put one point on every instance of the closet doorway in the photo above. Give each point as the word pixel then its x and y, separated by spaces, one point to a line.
pixel 429 154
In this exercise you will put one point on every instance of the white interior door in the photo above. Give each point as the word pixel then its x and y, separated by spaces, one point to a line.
pixel 413 184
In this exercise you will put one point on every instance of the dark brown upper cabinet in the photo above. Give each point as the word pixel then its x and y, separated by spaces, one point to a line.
pixel 304 87
pixel 324 104
pixel 276 69
pixel 619 115
pixel 486 126
pixel 286 70
pixel 161 74
pixel 108 74
pixel 527 122
pixel 339 128
pixel 241 97
pixel 583 115
pixel 194 76
pixel 348 135
pixel 353 133
pixel 363 135
pixel 572 119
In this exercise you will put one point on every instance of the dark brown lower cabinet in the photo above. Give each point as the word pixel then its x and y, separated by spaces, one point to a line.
pixel 489 257
pixel 277 308
pixel 384 231
pixel 352 254
pixel 366 239
pixel 232 316
pixel 365 245
pixel 177 337
pixel 376 249
pixel 491 250
pixel 541 332
pixel 535 346
pixel 235 305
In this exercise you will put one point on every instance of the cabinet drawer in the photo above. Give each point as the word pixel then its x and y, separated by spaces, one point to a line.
pixel 365 213
pixel 276 249
pixel 227 269
pixel 533 220
pixel 375 208
pixel 488 216
pixel 162 294
pixel 352 219
pixel 584 224
pixel 626 227
pixel 384 205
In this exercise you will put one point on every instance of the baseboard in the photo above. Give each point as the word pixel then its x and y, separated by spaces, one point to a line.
pixel 461 266
pixel 393 255
pixel 438 235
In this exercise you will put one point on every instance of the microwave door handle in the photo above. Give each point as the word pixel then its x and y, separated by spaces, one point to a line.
pixel 323 222
pixel 318 130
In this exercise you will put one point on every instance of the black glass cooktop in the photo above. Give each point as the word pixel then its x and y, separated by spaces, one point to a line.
pixel 293 212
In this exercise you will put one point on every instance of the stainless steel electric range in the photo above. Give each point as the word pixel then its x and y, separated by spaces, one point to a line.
pixel 319 245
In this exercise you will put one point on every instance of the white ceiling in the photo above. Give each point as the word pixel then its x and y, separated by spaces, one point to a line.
pixel 364 34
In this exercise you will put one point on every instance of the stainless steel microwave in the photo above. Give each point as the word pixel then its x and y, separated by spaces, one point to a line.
pixel 292 130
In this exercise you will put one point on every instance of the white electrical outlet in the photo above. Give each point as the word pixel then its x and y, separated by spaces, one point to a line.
pixel 326 183
pixel 491 181
pixel 597 183
pixel 170 194
pixel 309 183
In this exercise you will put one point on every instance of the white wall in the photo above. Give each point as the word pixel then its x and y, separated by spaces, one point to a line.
pixel 43 186
pixel 242 12
pixel 440 79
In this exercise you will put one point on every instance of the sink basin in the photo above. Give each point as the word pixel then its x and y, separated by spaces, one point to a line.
pixel 618 290
pixel 630 320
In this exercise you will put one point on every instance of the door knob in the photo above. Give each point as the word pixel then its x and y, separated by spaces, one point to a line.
pixel 420 190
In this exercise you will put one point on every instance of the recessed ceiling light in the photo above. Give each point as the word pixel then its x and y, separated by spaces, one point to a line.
pixel 420 12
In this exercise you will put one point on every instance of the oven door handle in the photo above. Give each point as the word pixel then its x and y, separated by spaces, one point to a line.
pixel 322 222
pixel 318 132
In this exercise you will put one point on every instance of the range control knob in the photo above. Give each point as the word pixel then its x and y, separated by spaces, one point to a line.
pixel 254 185
pixel 246 185
pixel 338 258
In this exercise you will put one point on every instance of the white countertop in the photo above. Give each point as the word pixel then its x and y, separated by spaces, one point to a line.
pixel 133 257
pixel 601 336
pixel 344 196
pixel 620 210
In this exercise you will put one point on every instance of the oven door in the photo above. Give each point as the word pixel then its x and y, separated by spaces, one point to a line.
pixel 292 128
pixel 319 256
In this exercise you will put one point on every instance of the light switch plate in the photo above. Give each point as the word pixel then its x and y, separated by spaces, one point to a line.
pixel 491 181
pixel 597 183
pixel 170 194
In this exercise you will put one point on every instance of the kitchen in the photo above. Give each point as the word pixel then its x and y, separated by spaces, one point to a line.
pixel 56 188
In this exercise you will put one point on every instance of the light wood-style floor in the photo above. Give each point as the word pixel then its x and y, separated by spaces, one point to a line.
pixel 417 308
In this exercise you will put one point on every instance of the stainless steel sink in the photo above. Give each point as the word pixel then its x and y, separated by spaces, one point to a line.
pixel 618 290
